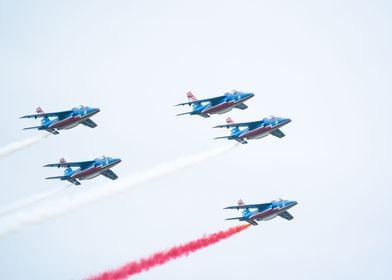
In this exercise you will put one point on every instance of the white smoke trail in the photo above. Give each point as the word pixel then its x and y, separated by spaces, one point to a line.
pixel 85 196
pixel 16 146
pixel 26 202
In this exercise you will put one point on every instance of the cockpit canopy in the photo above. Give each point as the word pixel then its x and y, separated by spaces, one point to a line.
pixel 103 158
pixel 81 107
pixel 272 118
pixel 232 92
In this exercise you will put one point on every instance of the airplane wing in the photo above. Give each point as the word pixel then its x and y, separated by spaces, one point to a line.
pixel 247 124
pixel 243 206
pixel 43 115
pixel 278 133
pixel 190 113
pixel 230 137
pixel 70 164
pixel 33 127
pixel 69 179
pixel 89 123
pixel 57 177
pixel 110 174
pixel 235 218
pixel 286 215
pixel 212 100
pixel 241 106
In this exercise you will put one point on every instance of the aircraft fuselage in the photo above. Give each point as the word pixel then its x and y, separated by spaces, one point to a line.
pixel 92 171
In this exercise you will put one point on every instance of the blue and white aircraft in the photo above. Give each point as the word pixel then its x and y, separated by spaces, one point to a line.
pixel 254 130
pixel 216 105
pixel 65 119
pixel 86 169
pixel 264 211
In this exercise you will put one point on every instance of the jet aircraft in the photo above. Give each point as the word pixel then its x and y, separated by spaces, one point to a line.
pixel 264 211
pixel 86 169
pixel 64 120
pixel 254 130
pixel 216 105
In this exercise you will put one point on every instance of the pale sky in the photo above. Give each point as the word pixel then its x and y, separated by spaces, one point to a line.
pixel 324 64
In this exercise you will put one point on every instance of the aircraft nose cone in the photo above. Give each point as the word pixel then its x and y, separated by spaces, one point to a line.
pixel 293 203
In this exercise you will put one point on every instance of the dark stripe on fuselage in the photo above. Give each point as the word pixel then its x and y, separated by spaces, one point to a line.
pixel 269 212
pixel 65 122
pixel 261 130
pixel 219 107
pixel 72 119
pixel 93 170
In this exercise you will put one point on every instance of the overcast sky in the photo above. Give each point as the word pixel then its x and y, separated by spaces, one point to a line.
pixel 324 64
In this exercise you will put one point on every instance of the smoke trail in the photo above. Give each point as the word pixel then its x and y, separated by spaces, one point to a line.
pixel 18 205
pixel 63 205
pixel 16 146
pixel 163 257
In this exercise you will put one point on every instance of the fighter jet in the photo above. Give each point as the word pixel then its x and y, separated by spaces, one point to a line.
pixel 264 211
pixel 216 105
pixel 86 169
pixel 254 130
pixel 64 120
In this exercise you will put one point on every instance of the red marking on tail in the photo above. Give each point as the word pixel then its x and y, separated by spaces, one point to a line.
pixel 191 97
pixel 39 110
pixel 62 160
pixel 163 257
pixel 229 120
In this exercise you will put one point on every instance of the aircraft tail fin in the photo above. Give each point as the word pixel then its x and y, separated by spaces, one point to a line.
pixel 68 170
pixel 229 120
pixel 246 211
pixel 235 130
pixel 39 110
pixel 190 96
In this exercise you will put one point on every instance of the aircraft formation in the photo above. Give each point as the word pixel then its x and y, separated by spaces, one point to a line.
pixel 251 130
pixel 241 132
pixel 55 121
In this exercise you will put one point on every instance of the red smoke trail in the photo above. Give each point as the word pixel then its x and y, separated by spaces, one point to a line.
pixel 163 257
